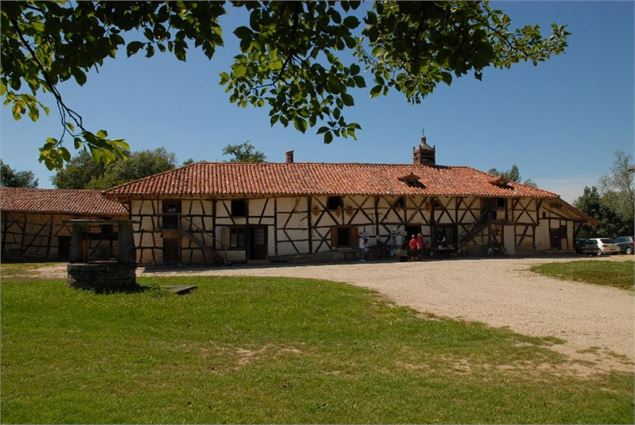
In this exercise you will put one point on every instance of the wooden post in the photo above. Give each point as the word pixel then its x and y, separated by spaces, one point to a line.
pixel 50 237
pixel 76 254
pixel 275 225
pixel 309 223
pixel 376 218
pixel 124 242
pixel 5 226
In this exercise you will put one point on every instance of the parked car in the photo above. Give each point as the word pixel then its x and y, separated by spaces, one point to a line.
pixel 626 244
pixel 580 244
pixel 605 246
pixel 587 246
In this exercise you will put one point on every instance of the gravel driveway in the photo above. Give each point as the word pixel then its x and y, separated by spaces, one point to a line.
pixel 596 322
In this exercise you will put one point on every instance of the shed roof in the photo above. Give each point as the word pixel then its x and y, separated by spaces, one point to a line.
pixel 59 201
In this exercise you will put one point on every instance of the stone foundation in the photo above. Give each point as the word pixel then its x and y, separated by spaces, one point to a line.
pixel 102 277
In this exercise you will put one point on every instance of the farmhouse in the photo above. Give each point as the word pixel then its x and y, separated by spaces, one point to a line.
pixel 35 223
pixel 210 213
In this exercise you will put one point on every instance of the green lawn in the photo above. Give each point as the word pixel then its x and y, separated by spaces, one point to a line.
pixel 620 274
pixel 263 350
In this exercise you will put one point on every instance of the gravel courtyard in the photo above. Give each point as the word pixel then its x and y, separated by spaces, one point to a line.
pixel 595 322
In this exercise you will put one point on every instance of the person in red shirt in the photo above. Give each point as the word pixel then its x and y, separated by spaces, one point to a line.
pixel 419 241
pixel 412 247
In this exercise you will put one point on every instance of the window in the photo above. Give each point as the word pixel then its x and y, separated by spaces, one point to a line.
pixel 501 203
pixel 334 202
pixel 563 231
pixel 400 203
pixel 237 238
pixel 171 211
pixel 239 208
pixel 106 229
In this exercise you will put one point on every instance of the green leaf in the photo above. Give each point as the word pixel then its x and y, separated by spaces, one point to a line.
pixel 17 111
pixel 149 34
pixel 239 70
pixel 348 99
pixel 243 32
pixel 355 69
pixel 351 22
pixel 447 78
pixel 328 137
pixel 133 47
pixel 300 124
pixel 102 134
pixel 79 75
pixel 66 155
pixel 322 130
pixel 359 81
pixel 376 91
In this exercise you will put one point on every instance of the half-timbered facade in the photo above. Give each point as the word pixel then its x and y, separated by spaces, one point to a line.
pixel 210 213
pixel 35 222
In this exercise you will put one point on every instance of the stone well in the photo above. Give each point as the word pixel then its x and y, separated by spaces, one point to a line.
pixel 104 276
pixel 111 274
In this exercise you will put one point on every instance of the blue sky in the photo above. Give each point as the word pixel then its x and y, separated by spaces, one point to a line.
pixel 560 122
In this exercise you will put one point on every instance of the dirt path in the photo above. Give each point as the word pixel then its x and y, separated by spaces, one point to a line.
pixel 596 322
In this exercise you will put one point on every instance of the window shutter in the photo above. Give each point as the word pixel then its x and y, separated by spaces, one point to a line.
pixel 333 237
pixel 354 242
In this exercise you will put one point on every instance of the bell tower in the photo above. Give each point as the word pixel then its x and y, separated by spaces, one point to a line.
pixel 424 154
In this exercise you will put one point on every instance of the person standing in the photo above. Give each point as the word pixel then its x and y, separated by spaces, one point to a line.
pixel 412 248
pixel 363 245
pixel 419 240
pixel 398 245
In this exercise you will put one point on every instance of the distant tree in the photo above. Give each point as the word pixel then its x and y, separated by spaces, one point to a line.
pixel 83 173
pixel 188 162
pixel 609 224
pixel 11 178
pixel 244 152
pixel 78 172
pixel 512 175
pixel 617 188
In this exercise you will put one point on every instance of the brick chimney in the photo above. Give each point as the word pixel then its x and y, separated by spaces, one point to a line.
pixel 289 157
pixel 424 154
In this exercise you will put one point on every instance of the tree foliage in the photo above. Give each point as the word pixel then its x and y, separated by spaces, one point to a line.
pixel 12 178
pixel 609 223
pixel 614 203
pixel 301 60
pixel 82 172
pixel 244 152
pixel 512 175
pixel 617 187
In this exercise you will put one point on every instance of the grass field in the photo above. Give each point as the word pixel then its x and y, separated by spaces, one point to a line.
pixel 263 350
pixel 620 274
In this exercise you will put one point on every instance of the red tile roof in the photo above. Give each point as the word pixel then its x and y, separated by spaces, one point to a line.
pixel 291 179
pixel 59 201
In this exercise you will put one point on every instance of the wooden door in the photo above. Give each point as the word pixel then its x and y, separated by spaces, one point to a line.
pixel 258 243
pixel 171 251
pixel 555 238
pixel 63 247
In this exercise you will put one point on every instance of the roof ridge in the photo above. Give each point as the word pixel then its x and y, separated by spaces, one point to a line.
pixel 391 164
pixel 105 191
